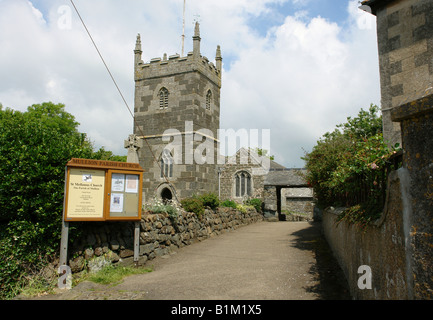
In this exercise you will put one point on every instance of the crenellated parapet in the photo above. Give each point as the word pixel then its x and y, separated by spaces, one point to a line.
pixel 175 64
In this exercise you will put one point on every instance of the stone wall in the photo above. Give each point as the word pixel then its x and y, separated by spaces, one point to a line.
pixel 270 201
pixel 384 246
pixel 298 200
pixel 405 42
pixel 241 161
pixel 159 235
pixel 416 118
pixel 187 178
pixel 299 205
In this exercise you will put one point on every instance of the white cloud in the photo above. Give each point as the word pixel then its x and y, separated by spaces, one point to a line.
pixel 308 77
pixel 300 80
pixel 39 16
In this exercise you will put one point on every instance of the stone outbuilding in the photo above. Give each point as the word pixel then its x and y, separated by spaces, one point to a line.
pixel 283 190
pixel 287 192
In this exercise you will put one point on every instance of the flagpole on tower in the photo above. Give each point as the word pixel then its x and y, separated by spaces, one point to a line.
pixel 183 28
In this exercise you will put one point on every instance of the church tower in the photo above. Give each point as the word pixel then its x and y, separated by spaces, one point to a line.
pixel 177 113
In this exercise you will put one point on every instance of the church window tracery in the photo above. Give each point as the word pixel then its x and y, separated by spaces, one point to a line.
pixel 166 164
pixel 163 98
pixel 243 184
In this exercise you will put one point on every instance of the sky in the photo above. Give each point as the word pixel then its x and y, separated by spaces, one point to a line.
pixel 296 67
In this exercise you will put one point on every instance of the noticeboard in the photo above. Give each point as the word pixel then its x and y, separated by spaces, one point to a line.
pixel 124 194
pixel 85 196
pixel 102 190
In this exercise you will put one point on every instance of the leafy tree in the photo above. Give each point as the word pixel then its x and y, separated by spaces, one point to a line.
pixel 322 162
pixel 348 166
pixel 34 149
pixel 54 116
pixel 365 125
pixel 103 154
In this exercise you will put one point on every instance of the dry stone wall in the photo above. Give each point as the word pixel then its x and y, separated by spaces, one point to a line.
pixel 109 242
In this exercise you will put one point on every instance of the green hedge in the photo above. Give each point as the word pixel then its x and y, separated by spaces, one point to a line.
pixel 34 149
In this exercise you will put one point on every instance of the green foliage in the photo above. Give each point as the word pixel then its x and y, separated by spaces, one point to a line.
pixel 243 208
pixel 157 206
pixel 350 161
pixel 113 275
pixel 210 200
pixel 34 149
pixel 197 204
pixel 193 204
pixel 228 204
pixel 248 204
pixel 256 203
pixel 103 154
pixel 361 215
pixel 54 116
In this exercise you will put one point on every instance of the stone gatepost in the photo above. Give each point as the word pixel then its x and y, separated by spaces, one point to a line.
pixel 416 119
pixel 270 209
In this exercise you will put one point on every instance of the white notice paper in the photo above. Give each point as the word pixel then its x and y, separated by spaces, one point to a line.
pixel 116 202
pixel 117 182
pixel 131 183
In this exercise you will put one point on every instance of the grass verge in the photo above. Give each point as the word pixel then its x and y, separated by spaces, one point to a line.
pixel 109 275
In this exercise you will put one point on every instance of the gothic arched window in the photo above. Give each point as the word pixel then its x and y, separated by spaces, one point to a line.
pixel 166 164
pixel 208 99
pixel 243 184
pixel 163 98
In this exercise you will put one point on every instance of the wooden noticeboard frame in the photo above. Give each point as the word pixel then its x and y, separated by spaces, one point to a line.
pixel 98 190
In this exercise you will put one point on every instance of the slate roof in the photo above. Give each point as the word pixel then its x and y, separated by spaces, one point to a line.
pixel 278 175
pixel 275 165
pixel 285 178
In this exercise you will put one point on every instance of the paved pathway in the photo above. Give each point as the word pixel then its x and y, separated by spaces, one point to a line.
pixel 262 261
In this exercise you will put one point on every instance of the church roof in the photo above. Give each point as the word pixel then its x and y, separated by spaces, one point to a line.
pixel 276 174
pixel 286 178
pixel 255 159
pixel 275 165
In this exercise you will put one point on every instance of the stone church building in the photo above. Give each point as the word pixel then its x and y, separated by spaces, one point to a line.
pixel 176 123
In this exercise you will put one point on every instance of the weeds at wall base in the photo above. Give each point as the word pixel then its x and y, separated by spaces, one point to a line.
pixel 360 215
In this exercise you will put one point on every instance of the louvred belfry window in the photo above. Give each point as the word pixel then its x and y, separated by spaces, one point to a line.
pixel 208 99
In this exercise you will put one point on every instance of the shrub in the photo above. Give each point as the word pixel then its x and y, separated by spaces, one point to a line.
pixel 349 166
pixel 157 206
pixel 193 204
pixel 34 149
pixel 228 204
pixel 256 203
pixel 210 200
pixel 243 208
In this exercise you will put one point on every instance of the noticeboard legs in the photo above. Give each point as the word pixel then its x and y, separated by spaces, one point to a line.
pixel 64 243
pixel 65 274
pixel 136 242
